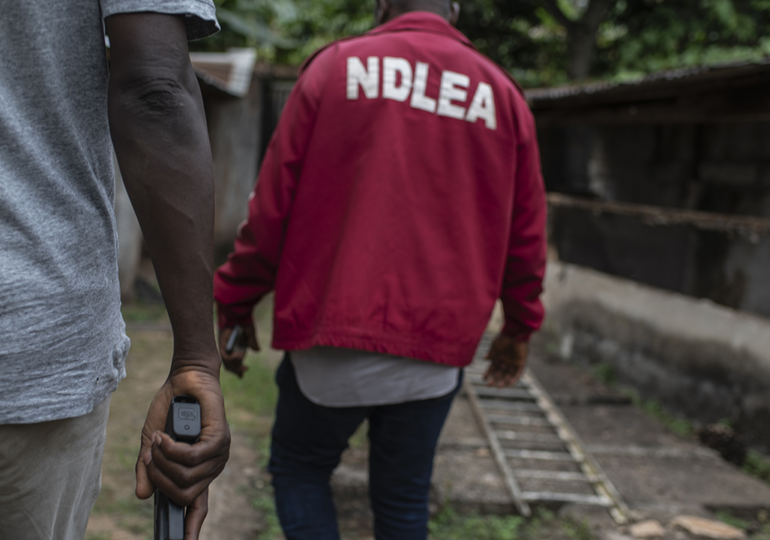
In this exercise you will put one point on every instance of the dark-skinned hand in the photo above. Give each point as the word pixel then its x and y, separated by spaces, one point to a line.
pixel 508 359
pixel 233 361
pixel 182 471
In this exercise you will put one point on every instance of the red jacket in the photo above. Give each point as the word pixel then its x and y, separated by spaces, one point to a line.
pixel 400 196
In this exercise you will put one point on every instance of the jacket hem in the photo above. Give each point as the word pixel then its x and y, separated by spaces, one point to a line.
pixel 408 346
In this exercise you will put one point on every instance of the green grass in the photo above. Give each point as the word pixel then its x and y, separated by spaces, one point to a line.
pixel 577 530
pixel 256 392
pixel 140 312
pixel 265 504
pixel 677 425
pixel 98 536
pixel 757 527
pixel 764 526
pixel 451 525
pixel 727 517
pixel 758 466
pixel 605 373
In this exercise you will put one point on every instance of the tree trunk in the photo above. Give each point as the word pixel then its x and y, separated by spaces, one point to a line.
pixel 581 35
pixel 582 42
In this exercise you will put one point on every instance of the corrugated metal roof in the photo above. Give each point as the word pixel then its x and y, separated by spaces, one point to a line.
pixel 230 72
pixel 660 80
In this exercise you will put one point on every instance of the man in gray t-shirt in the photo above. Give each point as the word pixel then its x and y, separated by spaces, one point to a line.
pixel 62 338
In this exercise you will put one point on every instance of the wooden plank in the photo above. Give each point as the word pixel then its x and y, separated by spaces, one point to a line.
pixel 547 496
pixel 553 475
pixel 539 454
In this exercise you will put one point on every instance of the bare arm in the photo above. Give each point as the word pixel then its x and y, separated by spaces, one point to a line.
pixel 159 131
pixel 525 267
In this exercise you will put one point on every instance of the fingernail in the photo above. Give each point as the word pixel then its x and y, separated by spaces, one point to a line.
pixel 156 438
pixel 147 457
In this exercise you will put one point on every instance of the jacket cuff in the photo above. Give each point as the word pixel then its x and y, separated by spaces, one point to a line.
pixel 228 318
pixel 517 331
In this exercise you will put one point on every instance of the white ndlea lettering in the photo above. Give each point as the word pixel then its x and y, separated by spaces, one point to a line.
pixel 483 106
pixel 391 67
pixel 399 82
pixel 419 99
pixel 368 79
pixel 452 89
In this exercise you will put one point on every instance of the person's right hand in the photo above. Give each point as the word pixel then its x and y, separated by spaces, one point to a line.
pixel 182 471
pixel 508 360
pixel 234 361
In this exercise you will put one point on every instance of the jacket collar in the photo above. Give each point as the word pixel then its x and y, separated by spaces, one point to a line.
pixel 422 21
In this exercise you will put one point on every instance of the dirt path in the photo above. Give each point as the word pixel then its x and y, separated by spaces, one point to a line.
pixel 118 514
pixel 232 515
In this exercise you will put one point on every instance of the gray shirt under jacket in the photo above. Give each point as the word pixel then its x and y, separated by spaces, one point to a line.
pixel 335 377
pixel 62 338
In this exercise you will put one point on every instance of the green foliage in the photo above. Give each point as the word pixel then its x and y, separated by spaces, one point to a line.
pixel 577 530
pixel 140 312
pixel 757 465
pixel 287 31
pixel 605 373
pixel 256 392
pixel 319 22
pixel 521 36
pixel 449 525
pixel 636 36
pixel 526 37
pixel 265 504
pixel 673 423
pixel 757 526
pixel 642 36
pixel 727 517
pixel 98 536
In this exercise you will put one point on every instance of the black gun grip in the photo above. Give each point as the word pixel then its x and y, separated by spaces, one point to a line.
pixel 183 424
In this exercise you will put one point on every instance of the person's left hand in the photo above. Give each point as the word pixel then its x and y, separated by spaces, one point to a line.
pixel 181 471
pixel 509 358
pixel 233 361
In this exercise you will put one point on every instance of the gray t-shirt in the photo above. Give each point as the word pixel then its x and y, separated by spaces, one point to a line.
pixel 62 338
pixel 334 377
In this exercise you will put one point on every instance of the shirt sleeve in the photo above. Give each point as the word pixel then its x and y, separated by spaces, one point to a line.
pixel 249 273
pixel 527 249
pixel 200 15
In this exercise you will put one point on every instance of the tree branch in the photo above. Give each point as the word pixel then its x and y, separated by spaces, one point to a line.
pixel 593 15
pixel 552 7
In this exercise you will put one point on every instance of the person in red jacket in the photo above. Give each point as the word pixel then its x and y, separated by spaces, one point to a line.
pixel 400 196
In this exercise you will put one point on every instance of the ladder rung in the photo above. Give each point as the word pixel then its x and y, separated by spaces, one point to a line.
pixel 554 475
pixel 477 378
pixel 508 435
pixel 509 406
pixel 539 454
pixel 517 420
pixel 508 393
pixel 566 497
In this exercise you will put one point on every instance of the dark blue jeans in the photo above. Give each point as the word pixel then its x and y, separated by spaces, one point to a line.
pixel 309 439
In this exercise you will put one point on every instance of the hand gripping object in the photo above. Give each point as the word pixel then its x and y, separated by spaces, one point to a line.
pixel 183 424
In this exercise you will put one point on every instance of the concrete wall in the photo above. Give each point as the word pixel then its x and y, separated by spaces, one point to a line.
pixel 715 168
pixel 706 361
pixel 720 168
pixel 235 133
pixel 129 237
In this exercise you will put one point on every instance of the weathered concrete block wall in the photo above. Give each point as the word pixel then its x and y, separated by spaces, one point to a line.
pixel 129 236
pixel 234 131
pixel 722 168
pixel 706 361
pixel 719 168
